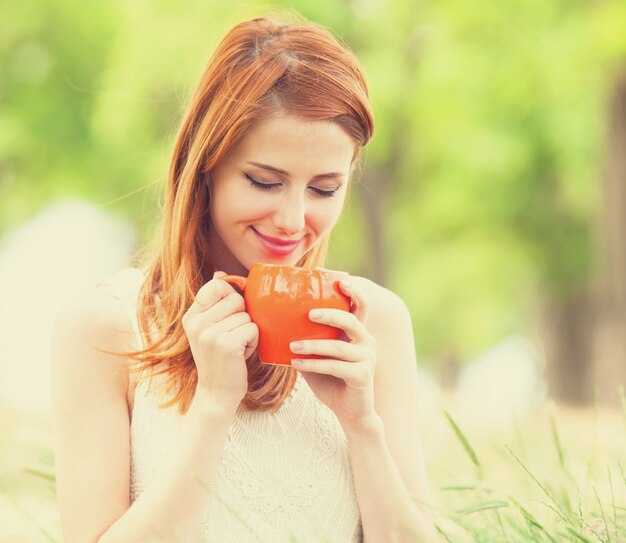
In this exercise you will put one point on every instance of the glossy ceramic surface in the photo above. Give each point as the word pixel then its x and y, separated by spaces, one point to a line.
pixel 279 298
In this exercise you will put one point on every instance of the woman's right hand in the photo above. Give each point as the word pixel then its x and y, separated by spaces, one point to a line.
pixel 221 337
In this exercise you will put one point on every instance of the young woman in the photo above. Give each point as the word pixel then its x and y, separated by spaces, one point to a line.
pixel 195 440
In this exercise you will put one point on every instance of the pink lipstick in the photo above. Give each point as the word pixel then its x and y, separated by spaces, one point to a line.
pixel 276 246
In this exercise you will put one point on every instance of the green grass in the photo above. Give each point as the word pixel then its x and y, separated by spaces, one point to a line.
pixel 557 479
pixel 557 476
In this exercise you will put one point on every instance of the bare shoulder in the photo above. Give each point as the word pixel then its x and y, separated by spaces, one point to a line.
pixel 389 322
pixel 384 303
pixel 91 323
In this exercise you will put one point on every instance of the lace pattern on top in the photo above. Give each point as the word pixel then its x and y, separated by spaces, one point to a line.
pixel 284 476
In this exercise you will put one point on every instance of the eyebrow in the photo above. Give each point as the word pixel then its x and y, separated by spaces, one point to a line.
pixel 331 175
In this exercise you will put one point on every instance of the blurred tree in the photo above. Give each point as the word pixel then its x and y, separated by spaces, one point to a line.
pixel 480 188
pixel 609 21
pixel 610 308
pixel 51 60
pixel 483 168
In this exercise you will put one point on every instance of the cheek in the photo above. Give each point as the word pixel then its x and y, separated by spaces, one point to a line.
pixel 324 218
pixel 238 206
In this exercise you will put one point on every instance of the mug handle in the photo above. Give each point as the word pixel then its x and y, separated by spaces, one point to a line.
pixel 236 281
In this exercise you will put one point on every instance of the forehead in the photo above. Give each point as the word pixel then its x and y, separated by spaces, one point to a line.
pixel 295 144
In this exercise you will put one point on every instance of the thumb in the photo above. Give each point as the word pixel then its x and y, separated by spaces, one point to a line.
pixel 219 274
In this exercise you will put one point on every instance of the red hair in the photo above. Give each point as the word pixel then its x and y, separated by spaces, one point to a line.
pixel 261 68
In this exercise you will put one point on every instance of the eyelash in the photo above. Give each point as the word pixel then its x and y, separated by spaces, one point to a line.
pixel 268 186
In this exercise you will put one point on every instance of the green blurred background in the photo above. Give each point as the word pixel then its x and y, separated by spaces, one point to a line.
pixel 493 195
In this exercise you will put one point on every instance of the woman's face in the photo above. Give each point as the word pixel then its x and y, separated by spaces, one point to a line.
pixel 278 192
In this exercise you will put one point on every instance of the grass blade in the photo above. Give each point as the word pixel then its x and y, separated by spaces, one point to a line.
pixel 578 535
pixel 606 526
pixel 484 506
pixel 612 497
pixel 39 472
pixel 459 487
pixel 559 509
pixel 557 440
pixel 466 445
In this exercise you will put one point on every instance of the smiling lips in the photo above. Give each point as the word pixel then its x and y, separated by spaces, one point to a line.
pixel 275 246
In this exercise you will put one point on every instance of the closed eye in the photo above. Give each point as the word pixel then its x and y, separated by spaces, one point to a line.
pixel 267 186
pixel 325 193
pixel 259 185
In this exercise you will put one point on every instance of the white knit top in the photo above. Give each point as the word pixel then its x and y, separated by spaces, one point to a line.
pixel 283 476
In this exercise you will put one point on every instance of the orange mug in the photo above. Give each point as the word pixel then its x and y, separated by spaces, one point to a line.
pixel 278 300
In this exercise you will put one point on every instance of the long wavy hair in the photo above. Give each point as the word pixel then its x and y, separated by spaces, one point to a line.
pixel 261 68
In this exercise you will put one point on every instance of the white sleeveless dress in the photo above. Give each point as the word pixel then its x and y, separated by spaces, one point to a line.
pixel 284 476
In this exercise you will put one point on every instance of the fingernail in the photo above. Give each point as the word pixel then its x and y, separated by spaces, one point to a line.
pixel 296 346
pixel 316 314
pixel 296 362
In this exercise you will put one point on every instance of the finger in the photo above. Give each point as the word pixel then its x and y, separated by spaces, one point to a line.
pixel 209 331
pixel 348 322
pixel 209 294
pixel 230 305
pixel 246 335
pixel 232 322
pixel 332 348
pixel 352 374
pixel 359 300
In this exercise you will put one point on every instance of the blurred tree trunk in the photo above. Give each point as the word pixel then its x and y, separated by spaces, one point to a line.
pixel 377 184
pixel 371 192
pixel 609 365
pixel 382 179
pixel 567 345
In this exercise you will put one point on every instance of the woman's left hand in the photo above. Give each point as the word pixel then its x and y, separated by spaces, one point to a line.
pixel 344 378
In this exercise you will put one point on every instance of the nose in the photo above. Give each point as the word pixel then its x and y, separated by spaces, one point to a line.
pixel 290 213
